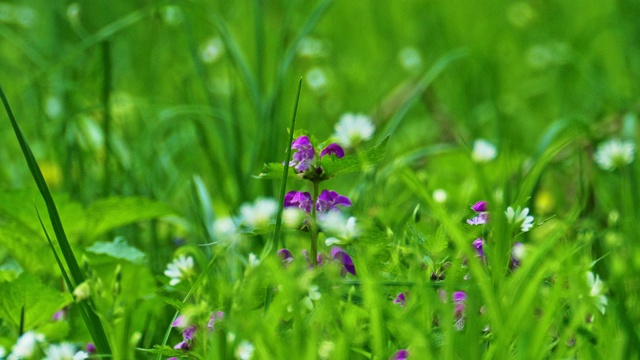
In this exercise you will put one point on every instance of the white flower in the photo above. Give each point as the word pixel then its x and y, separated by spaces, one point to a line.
pixel 518 251
pixel 244 351
pixel 410 58
pixel 614 154
pixel 64 351
pixel 253 260
pixel 225 230
pixel 313 295
pixel 520 216
pixel 292 217
pixel 259 214
pixel 311 48
pixel 317 80
pixel 353 129
pixel 211 50
pixel 483 151
pixel 3 352
pixel 330 241
pixel 440 196
pixel 336 224
pixel 596 285
pixel 26 345
pixel 180 269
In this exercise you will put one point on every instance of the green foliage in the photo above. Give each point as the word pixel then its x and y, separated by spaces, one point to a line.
pixel 119 249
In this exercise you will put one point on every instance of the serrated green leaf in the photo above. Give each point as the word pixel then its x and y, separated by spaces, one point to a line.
pixel 27 292
pixel 163 350
pixel 357 162
pixel 119 249
pixel 177 304
pixel 273 171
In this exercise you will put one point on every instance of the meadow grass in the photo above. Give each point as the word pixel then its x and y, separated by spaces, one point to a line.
pixel 324 180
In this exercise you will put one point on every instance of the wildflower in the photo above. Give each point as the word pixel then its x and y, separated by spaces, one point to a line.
pixel 188 332
pixel 245 350
pixel 91 348
pixel 401 299
pixel 440 196
pixel 317 80
pixel 253 260
pixel 480 206
pixel 286 256
pixel 482 216
pixel 59 315
pixel 337 253
pixel 26 346
pixel 213 319
pixel 3 352
pixel 614 154
pixel 329 199
pixel 478 244
pixel 298 199
pixel 400 355
pixel 517 253
pixel 260 213
pixel 483 151
pixel 333 149
pixel 595 291
pixel 304 153
pixel 353 129
pixel 335 223
pixel 313 295
pixel 410 58
pixel 211 50
pixel 459 298
pixel 292 217
pixel 64 351
pixel 311 48
pixel 225 230
pixel 520 216
pixel 180 269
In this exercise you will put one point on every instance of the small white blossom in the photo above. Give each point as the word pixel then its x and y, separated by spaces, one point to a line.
pixel 440 196
pixel 330 241
pixel 253 260
pixel 410 59
pixel 181 268
pixel 259 214
pixel 225 230
pixel 311 48
pixel 596 285
pixel 614 154
pixel 64 351
pixel 26 346
pixel 292 217
pixel 317 80
pixel 518 251
pixel 211 50
pixel 245 350
pixel 336 224
pixel 353 129
pixel 520 216
pixel 483 151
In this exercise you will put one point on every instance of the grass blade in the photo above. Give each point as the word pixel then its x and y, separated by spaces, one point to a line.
pixel 89 316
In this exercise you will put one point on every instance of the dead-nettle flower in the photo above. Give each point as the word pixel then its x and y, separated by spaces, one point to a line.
pixel 180 269
pixel 482 213
pixel 353 129
pixel 614 154
pixel 327 200
pixel 64 351
pixel 305 154
pixel 479 244
pixel 517 253
pixel 520 216
pixel 400 355
pixel 596 291
pixel 459 299
pixel 337 254
pixel 401 299
pixel 483 151
pixel 189 330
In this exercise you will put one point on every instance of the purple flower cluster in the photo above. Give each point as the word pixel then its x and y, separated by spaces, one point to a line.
pixel 305 153
pixel 189 330
pixel 327 200
pixel 337 254
pixel 482 213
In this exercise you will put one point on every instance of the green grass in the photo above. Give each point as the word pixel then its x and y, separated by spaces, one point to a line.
pixel 142 148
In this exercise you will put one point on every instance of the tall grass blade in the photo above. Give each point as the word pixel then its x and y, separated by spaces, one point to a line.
pixel 89 316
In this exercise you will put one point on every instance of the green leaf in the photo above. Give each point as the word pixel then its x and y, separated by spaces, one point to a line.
pixel 27 292
pixel 273 171
pixel 164 351
pixel 352 163
pixel 119 249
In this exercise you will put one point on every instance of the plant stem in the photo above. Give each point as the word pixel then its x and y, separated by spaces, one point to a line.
pixel 314 226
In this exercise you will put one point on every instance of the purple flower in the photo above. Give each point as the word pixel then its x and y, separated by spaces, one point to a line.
pixel 180 321
pixel 59 315
pixel 329 199
pixel 337 253
pixel 459 297
pixel 183 345
pixel 517 252
pixel 481 219
pixel 319 258
pixel 401 299
pixel 480 206
pixel 286 256
pixel 334 149
pixel 298 199
pixel 304 154
pixel 400 355
pixel 189 333
pixel 478 243
pixel 215 317
pixel 91 348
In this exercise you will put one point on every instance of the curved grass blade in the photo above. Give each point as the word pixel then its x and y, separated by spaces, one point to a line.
pixel 89 316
